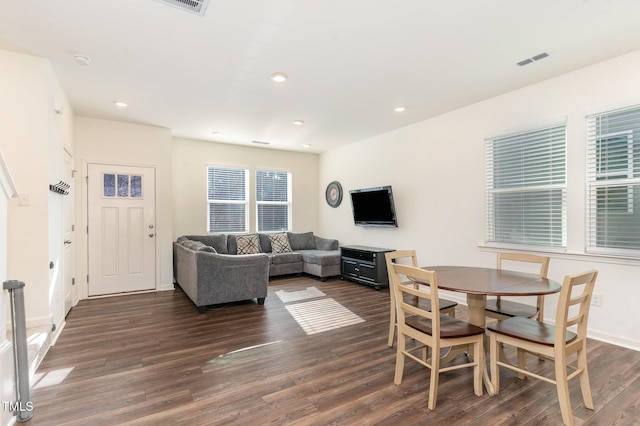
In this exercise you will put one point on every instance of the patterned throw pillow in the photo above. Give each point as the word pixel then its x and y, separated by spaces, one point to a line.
pixel 280 243
pixel 248 244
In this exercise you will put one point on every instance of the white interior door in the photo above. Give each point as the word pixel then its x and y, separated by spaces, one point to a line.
pixel 122 243
pixel 68 254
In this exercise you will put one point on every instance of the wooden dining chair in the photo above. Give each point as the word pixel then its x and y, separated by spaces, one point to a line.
pixel 501 309
pixel 409 257
pixel 429 331
pixel 556 342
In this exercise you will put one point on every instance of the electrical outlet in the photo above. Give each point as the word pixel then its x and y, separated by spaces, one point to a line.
pixel 596 299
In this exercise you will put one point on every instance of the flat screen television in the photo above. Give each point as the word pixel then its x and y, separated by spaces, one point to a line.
pixel 373 207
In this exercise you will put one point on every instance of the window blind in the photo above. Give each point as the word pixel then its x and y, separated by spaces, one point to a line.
pixel 613 182
pixel 273 195
pixel 227 190
pixel 526 188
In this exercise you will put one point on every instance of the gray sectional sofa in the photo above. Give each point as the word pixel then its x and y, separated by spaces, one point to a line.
pixel 210 271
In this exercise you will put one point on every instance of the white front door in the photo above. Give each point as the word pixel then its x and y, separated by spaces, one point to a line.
pixel 68 269
pixel 122 243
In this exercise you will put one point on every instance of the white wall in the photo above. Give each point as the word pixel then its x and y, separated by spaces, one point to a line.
pixel 27 85
pixel 436 168
pixel 190 161
pixel 110 142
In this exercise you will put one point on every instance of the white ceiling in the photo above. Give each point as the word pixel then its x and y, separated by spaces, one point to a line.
pixel 349 62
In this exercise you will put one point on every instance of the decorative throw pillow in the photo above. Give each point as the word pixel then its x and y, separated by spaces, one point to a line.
pixel 280 243
pixel 248 244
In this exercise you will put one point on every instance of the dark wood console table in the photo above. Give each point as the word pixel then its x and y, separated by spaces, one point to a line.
pixel 364 265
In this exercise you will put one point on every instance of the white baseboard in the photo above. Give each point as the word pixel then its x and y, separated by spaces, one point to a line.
pixel 166 287
pixel 614 340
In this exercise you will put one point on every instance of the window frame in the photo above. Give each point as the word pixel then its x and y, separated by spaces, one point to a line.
pixel 288 203
pixel 609 212
pixel 524 184
pixel 244 202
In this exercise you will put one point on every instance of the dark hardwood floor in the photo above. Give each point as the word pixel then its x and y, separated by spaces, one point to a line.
pixel 151 359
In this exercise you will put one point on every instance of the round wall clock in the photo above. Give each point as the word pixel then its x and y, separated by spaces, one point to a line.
pixel 333 194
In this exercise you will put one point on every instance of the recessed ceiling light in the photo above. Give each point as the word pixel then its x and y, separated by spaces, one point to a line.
pixel 306 145
pixel 298 122
pixel 216 133
pixel 279 77
pixel 121 104
pixel 81 59
pixel 400 108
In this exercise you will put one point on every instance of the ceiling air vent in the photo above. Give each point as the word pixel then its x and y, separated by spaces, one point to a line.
pixel 533 58
pixel 194 6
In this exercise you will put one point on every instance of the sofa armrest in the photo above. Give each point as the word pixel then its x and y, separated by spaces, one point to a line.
pixel 325 243
pixel 225 278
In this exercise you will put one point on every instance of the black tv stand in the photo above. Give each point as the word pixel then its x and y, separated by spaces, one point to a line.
pixel 364 265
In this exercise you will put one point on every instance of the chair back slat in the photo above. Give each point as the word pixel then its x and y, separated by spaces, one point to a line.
pixel 408 257
pixel 576 291
pixel 425 292
pixel 575 320
pixel 543 261
pixel 408 308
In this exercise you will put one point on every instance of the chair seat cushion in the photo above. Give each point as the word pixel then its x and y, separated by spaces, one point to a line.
pixel 529 330
pixel 511 309
pixel 450 327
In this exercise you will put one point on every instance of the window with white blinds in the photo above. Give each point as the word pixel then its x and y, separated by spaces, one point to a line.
pixel 227 199
pixel 273 200
pixel 613 182
pixel 526 188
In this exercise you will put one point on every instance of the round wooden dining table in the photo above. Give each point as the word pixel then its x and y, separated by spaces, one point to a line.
pixel 478 283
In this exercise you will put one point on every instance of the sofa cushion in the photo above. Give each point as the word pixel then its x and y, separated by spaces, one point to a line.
pixel 190 244
pixel 301 241
pixel 282 258
pixel 265 242
pixel 248 244
pixel 321 257
pixel 280 243
pixel 197 245
pixel 217 241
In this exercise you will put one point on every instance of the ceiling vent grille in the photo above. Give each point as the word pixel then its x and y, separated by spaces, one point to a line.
pixel 197 7
pixel 533 58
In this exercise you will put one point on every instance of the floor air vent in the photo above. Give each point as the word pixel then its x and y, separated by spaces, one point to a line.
pixel 194 6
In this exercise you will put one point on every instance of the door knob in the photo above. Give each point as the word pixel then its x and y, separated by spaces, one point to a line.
pixel 151 235
pixel 150 226
pixel 67 241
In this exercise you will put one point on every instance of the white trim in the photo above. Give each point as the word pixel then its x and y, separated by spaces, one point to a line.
pixel 8 184
pixel 567 255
